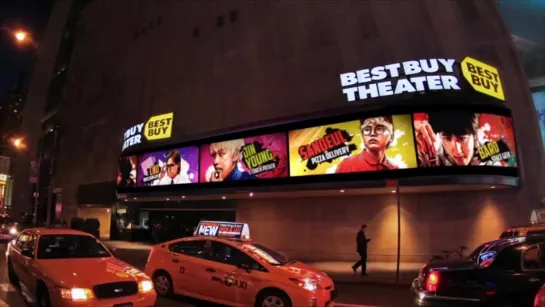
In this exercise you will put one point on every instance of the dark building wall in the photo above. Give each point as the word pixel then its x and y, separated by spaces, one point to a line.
pixel 34 105
pixel 278 59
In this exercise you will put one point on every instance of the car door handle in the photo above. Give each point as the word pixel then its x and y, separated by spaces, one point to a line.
pixel 210 270
pixel 175 260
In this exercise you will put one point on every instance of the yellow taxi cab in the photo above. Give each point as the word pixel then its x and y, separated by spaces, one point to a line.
pixel 65 267
pixel 220 264
pixel 523 231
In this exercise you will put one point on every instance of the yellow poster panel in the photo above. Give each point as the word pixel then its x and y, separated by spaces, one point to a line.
pixel 365 145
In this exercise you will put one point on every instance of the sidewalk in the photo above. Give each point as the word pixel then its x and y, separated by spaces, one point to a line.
pixel 339 271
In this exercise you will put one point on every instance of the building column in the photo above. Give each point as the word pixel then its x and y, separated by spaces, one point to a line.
pixel 46 55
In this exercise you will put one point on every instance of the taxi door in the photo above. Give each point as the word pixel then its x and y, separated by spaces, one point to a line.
pixel 182 265
pixel 232 285
pixel 533 273
pixel 24 262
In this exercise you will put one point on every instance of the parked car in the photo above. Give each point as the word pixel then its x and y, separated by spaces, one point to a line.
pixel 505 272
pixel 8 228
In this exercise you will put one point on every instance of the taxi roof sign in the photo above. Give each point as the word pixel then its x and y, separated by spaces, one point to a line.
pixel 228 230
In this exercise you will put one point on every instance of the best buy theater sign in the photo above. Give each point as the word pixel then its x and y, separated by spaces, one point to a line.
pixel 438 74
pixel 157 127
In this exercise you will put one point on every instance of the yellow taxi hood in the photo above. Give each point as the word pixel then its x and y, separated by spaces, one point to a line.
pixel 298 269
pixel 89 272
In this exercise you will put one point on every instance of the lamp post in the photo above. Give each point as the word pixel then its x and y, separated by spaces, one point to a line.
pixel 24 38
pixel 19 145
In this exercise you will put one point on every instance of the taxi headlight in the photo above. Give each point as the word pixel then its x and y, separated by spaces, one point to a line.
pixel 306 283
pixel 77 294
pixel 13 231
pixel 145 286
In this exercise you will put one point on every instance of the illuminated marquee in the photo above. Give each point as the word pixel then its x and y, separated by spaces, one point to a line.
pixel 258 159
pixel 157 127
pixel 407 77
pixel 334 144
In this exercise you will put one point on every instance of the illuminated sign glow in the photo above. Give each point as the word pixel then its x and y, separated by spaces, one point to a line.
pixel 157 127
pixel 483 78
pixel 422 75
pixel 223 229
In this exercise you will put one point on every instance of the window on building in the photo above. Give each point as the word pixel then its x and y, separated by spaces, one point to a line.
pixel 220 21
pixel 196 32
pixel 233 16
pixel 469 10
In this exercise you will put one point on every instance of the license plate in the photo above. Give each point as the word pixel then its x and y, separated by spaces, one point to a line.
pixel 124 305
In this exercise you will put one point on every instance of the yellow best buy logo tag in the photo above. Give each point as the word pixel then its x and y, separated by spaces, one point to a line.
pixel 483 77
pixel 159 127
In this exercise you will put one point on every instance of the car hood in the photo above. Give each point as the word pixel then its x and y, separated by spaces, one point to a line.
pixel 300 270
pixel 89 272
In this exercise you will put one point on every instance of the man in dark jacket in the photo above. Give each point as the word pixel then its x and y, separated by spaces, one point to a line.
pixel 361 242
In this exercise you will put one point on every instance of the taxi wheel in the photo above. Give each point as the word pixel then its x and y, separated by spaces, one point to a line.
pixel 273 298
pixel 163 284
pixel 43 297
pixel 12 276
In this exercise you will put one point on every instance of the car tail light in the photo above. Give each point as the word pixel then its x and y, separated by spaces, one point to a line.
pixel 433 281
pixel 538 301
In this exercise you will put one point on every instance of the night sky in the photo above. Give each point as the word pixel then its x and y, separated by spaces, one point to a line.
pixel 14 60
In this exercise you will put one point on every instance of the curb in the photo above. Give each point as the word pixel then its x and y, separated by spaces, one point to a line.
pixel 373 283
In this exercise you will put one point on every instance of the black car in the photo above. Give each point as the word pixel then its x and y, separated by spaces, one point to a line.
pixel 506 272
pixel 8 228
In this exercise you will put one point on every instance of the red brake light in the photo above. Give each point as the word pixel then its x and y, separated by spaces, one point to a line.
pixel 432 281
pixel 539 298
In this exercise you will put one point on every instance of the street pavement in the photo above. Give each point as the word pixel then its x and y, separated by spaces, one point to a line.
pixel 350 294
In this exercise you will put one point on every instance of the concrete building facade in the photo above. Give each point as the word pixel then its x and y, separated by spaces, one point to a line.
pixel 226 65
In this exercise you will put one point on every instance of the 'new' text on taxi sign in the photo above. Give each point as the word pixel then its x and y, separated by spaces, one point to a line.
pixel 223 229
pixel 483 77
pixel 159 127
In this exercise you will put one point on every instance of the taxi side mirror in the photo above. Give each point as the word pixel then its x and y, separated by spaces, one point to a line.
pixel 245 267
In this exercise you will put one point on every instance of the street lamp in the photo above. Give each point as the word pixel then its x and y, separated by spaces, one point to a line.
pixel 21 36
pixel 18 143
pixel 20 146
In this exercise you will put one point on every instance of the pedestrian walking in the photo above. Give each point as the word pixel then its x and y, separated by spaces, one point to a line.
pixel 361 244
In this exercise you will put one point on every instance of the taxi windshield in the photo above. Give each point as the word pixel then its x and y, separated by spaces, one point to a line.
pixel 70 246
pixel 268 254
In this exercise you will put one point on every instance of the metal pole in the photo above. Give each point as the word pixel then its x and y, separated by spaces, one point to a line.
pixel 52 169
pixel 36 195
pixel 398 231
pixel 38 179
